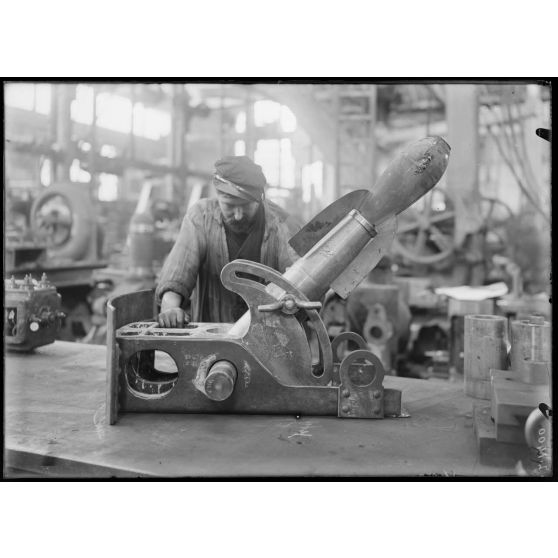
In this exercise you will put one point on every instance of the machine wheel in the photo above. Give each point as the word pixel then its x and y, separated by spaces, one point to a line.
pixel 62 216
pixel 419 238
pixel 495 214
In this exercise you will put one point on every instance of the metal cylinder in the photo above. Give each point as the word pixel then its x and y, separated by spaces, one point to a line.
pixel 142 230
pixel 325 261
pixel 485 349
pixel 531 350
pixel 457 310
pixel 220 381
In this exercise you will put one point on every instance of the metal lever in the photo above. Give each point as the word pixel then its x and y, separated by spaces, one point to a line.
pixel 289 304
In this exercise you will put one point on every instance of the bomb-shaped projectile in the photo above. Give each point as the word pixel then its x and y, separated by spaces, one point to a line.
pixel 344 242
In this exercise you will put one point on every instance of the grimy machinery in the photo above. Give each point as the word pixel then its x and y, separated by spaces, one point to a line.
pixel 264 363
pixel 32 313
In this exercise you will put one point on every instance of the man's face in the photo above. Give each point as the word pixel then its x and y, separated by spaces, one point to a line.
pixel 238 214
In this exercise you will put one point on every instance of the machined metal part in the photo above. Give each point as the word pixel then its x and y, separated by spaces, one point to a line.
pixel 391 397
pixel 217 373
pixel 263 363
pixel 361 393
pixel 343 338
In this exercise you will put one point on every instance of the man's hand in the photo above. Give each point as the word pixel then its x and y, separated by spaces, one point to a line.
pixel 172 314
pixel 173 317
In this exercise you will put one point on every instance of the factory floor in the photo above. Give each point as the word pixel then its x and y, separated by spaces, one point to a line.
pixel 55 426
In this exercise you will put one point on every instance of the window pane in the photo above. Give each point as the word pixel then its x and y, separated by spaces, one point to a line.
pixel 82 106
pixel 239 148
pixel 266 112
pixel 114 112
pixel 108 187
pixel 20 95
pixel 267 155
pixel 43 92
pixel 288 119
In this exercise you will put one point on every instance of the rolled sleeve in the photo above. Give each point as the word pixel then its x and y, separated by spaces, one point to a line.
pixel 180 270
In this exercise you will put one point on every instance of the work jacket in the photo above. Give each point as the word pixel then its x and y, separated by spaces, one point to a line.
pixel 200 252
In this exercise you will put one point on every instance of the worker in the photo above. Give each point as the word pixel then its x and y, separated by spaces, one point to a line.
pixel 240 223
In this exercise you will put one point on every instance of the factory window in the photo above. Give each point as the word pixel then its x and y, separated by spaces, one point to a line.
pixel 43 92
pixel 20 95
pixel 29 96
pixel 151 123
pixel 82 106
pixel 239 147
pixel 269 112
pixel 267 155
pixel 77 174
pixel 277 161
pixel 288 119
pixel 266 112
pixel 108 187
pixel 114 112
pixel 240 123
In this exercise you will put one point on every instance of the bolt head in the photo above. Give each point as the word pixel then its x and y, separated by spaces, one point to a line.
pixel 345 408
pixel 345 393
pixel 376 394
pixel 289 304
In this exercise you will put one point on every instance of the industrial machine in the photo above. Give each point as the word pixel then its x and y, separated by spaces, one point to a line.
pixel 60 237
pixel 32 313
pixel 264 362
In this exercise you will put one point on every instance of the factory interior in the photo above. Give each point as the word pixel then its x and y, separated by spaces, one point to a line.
pixel 408 335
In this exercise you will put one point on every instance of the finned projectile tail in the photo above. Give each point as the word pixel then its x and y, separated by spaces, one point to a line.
pixel 414 172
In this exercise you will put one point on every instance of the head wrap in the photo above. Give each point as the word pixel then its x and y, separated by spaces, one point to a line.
pixel 239 176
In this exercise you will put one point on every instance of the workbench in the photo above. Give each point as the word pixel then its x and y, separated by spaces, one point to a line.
pixel 55 426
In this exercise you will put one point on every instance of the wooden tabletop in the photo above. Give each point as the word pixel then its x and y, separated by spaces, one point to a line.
pixel 55 425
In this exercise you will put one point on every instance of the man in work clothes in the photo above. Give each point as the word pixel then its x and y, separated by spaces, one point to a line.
pixel 239 224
